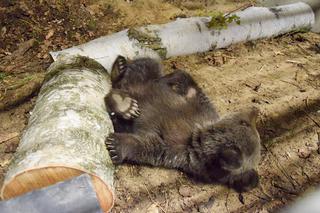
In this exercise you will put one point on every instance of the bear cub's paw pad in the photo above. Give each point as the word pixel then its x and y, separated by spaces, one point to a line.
pixel 132 111
pixel 127 107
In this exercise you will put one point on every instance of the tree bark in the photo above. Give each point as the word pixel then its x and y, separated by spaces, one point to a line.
pixel 66 132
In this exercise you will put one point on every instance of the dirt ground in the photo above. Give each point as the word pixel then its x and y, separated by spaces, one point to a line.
pixel 281 76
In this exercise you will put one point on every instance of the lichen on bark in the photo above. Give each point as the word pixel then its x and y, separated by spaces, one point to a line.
pixel 148 39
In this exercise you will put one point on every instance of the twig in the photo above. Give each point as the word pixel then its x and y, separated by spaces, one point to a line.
pixel 282 170
pixel 296 76
pixel 241 198
pixel 295 62
pixel 288 191
pixel 294 84
pixel 261 68
pixel 227 198
pixel 167 201
pixel 152 200
pixel 313 120
pixel 304 173
pixel 318 143
pixel 5 138
pixel 267 197
pixel 303 50
pixel 242 7
pixel 228 56
pixel 299 167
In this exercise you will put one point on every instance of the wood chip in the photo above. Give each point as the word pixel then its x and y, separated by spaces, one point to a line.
pixel 295 62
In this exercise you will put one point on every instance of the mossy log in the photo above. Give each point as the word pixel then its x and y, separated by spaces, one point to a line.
pixel 66 132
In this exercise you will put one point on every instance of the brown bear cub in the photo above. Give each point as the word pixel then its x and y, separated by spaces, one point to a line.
pixel 166 120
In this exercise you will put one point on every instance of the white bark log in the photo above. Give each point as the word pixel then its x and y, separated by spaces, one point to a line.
pixel 314 4
pixel 191 35
pixel 66 132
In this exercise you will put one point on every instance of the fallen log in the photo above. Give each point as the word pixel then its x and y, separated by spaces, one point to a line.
pixel 191 35
pixel 66 132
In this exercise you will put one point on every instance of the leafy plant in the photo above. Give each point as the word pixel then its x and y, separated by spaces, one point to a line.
pixel 220 21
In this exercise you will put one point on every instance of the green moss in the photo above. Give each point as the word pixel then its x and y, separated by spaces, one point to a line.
pixel 77 63
pixel 148 39
pixel 141 36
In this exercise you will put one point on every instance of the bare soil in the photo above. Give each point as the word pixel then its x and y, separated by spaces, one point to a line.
pixel 281 76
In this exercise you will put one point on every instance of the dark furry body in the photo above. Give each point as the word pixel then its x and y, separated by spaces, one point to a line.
pixel 174 125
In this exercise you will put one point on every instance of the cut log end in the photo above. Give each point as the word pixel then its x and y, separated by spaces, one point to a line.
pixel 41 177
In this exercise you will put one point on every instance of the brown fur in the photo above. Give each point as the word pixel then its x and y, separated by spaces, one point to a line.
pixel 168 121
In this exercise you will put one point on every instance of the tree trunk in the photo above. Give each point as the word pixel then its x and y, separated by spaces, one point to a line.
pixel 66 132
pixel 191 35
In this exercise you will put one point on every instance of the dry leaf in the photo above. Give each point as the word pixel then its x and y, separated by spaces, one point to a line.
pixel 50 34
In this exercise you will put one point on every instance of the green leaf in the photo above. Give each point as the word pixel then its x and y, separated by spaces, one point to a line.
pixel 220 21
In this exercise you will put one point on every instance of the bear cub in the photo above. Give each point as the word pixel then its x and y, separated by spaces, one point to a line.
pixel 168 121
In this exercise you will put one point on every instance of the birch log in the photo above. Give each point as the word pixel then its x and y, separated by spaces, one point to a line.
pixel 192 35
pixel 66 131
pixel 314 4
